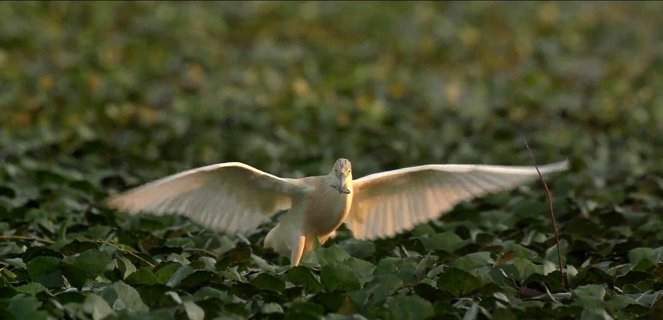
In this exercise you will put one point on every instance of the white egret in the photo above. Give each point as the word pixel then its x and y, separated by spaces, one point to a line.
pixel 236 198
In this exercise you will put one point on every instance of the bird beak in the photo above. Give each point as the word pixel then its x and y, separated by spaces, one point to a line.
pixel 341 185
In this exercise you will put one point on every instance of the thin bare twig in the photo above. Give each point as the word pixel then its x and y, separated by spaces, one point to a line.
pixel 26 238
pixel 48 241
pixel 203 251
pixel 116 245
pixel 552 217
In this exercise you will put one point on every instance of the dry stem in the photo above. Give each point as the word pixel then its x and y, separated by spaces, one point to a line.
pixel 552 217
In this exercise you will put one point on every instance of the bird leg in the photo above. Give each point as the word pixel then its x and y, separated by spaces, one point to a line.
pixel 323 239
pixel 297 249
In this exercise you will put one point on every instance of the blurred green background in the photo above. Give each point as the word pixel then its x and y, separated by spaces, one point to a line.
pixel 289 87
pixel 98 97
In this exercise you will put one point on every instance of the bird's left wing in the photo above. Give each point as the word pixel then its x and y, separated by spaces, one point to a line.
pixel 390 202
pixel 232 197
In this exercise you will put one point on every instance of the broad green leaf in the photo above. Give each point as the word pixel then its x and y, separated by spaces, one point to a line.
pixel 383 287
pixel 447 241
pixel 472 312
pixel 303 309
pixel 266 281
pixel 362 269
pixel 46 271
pixel 595 314
pixel 142 276
pixel 231 274
pixel 165 272
pixel 26 307
pixel 121 296
pixel 590 296
pixel 523 252
pixel 638 254
pixel 198 279
pixel 339 276
pixel 272 308
pixel 125 266
pixel 409 307
pixel 77 246
pixel 526 268
pixel 32 288
pixel 406 269
pixel 179 275
pixel 193 311
pixel 207 292
pixel 551 252
pixel 96 306
pixel 473 260
pixel 358 248
pixel 330 255
pixel 457 282
pixel 304 277
pixel 91 262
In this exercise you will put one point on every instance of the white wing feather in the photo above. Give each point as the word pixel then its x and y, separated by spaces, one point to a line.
pixel 390 202
pixel 232 197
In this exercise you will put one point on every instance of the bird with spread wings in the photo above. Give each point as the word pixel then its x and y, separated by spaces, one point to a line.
pixel 236 198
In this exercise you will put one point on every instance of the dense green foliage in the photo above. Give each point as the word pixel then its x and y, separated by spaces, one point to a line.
pixel 99 97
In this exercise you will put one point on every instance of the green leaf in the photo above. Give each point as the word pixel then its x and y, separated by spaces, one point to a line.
pixel 590 296
pixel 232 274
pixel 198 279
pixel 406 269
pixel 46 271
pixel 384 287
pixel 165 272
pixel 208 292
pixel 362 269
pixel 473 260
pixel 526 268
pixel 26 307
pixel 633 277
pixel 77 246
pixel 91 263
pixel 272 308
pixel 304 309
pixel 87 265
pixel 193 311
pixel 638 254
pixel 266 281
pixel 303 276
pixel 96 306
pixel 523 252
pixel 457 282
pixel 447 241
pixel 142 276
pixel 122 296
pixel 551 252
pixel 179 275
pixel 331 255
pixel 125 266
pixel 472 312
pixel 339 276
pixel 32 288
pixel 409 307
pixel 358 248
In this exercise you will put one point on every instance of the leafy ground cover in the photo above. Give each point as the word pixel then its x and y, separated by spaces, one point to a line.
pixel 98 97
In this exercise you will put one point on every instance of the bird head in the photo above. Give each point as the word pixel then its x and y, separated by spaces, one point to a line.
pixel 342 172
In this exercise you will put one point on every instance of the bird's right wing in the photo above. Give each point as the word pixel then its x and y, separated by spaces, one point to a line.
pixel 390 202
pixel 232 197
